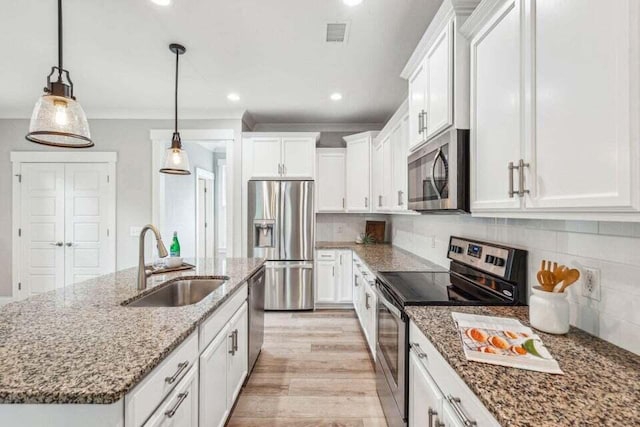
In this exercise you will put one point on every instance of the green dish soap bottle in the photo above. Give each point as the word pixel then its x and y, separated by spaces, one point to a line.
pixel 174 251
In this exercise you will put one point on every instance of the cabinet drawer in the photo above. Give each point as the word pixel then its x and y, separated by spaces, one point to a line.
pixel 146 396
pixel 180 408
pixel 326 255
pixel 210 328
pixel 454 389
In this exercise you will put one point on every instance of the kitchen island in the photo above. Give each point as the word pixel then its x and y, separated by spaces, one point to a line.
pixel 79 345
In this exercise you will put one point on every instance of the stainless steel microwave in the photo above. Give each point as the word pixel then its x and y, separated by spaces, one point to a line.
pixel 439 174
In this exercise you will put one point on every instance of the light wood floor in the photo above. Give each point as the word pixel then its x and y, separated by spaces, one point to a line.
pixel 314 370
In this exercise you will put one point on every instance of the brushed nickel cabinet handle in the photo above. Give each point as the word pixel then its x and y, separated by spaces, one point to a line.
pixel 416 348
pixel 512 192
pixel 521 166
pixel 366 202
pixel 424 122
pixel 420 122
pixel 456 404
pixel 432 413
pixel 181 367
pixel 181 397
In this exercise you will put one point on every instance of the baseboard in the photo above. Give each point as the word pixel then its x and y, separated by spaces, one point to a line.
pixel 5 300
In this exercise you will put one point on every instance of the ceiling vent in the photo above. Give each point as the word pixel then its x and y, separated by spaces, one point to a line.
pixel 337 32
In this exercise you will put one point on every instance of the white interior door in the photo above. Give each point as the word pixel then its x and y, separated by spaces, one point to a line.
pixel 42 230
pixel 205 226
pixel 87 248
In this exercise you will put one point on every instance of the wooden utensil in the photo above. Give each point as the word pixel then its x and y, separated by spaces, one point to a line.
pixel 571 277
pixel 546 277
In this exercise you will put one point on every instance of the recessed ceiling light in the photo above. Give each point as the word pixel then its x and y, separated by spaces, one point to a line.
pixel 233 97
pixel 336 96
pixel 352 3
pixel 166 2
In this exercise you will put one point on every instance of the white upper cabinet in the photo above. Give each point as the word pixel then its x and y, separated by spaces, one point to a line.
pixel 358 171
pixel 386 199
pixel 279 155
pixel 400 149
pixel 265 157
pixel 584 83
pixel 439 84
pixel 298 157
pixel 438 75
pixel 377 174
pixel 554 93
pixel 496 114
pixel 417 105
pixel 330 179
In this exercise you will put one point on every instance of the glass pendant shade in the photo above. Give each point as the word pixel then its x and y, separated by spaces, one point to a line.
pixel 176 160
pixel 59 121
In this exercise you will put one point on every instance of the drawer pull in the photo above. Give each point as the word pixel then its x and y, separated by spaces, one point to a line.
pixel 181 397
pixel 234 342
pixel 456 404
pixel 181 367
pixel 416 348
pixel 432 413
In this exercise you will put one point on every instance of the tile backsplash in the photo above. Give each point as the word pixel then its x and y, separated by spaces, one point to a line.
pixel 613 248
pixel 345 227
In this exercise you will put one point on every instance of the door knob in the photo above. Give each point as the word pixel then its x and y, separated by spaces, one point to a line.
pixel 69 244
pixel 57 244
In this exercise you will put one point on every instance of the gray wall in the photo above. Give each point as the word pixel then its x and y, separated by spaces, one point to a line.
pixel 130 139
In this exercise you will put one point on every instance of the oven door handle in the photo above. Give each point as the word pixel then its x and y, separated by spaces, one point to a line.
pixel 433 172
pixel 394 310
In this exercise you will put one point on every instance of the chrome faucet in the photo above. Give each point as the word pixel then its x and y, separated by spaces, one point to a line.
pixel 162 252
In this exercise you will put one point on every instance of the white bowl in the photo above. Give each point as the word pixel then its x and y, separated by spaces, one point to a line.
pixel 173 262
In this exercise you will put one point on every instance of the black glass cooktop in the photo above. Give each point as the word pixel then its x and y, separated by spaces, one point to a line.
pixel 442 288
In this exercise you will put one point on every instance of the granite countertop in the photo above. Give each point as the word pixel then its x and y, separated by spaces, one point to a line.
pixel 385 257
pixel 600 385
pixel 78 344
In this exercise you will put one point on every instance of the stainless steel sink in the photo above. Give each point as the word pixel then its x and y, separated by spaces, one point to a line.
pixel 180 293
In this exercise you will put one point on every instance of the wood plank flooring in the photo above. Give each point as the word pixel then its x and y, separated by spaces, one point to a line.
pixel 314 370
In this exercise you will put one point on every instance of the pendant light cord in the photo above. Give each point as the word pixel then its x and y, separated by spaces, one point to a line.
pixel 60 68
pixel 176 93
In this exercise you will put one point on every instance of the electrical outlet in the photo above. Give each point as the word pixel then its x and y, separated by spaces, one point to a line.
pixel 591 283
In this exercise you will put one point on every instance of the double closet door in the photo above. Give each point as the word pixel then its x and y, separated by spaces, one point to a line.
pixel 65 229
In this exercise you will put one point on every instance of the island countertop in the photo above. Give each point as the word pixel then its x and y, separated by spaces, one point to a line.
pixel 600 385
pixel 78 344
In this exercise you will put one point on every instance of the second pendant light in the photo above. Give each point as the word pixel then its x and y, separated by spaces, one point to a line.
pixel 176 160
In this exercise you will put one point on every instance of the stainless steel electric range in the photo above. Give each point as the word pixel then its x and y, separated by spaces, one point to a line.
pixel 480 273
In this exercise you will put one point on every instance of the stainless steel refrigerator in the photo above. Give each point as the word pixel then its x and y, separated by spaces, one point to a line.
pixel 281 227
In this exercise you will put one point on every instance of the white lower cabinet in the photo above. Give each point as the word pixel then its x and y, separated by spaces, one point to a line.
pixel 333 277
pixel 365 302
pixel 437 395
pixel 238 357
pixel 213 380
pixel 180 408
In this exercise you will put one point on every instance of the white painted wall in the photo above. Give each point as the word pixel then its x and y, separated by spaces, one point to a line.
pixel 130 139
pixel 345 227
pixel 614 248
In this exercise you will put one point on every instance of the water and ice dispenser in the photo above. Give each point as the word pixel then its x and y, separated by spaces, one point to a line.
pixel 264 233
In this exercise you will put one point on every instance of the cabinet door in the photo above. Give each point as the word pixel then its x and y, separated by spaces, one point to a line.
pixel 265 157
pixel 330 180
pixel 581 153
pixel 439 83
pixel 213 382
pixel 417 106
pixel 425 399
pixel 325 281
pixel 298 157
pixel 387 200
pixel 376 175
pixel 358 175
pixel 400 148
pixel 344 279
pixel 496 107
pixel 370 302
pixel 180 408
pixel 357 284
pixel 237 353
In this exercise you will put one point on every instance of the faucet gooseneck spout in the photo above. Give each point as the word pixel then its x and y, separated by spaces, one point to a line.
pixel 162 252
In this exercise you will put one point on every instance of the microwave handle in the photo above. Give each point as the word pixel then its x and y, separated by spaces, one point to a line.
pixel 433 172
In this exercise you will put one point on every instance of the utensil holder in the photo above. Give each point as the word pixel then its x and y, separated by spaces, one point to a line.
pixel 549 311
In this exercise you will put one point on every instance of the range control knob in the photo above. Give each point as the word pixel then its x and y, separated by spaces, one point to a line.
pixel 455 249
pixel 489 259
pixel 499 262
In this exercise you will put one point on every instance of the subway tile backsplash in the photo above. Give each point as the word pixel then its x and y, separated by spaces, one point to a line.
pixel 345 227
pixel 611 247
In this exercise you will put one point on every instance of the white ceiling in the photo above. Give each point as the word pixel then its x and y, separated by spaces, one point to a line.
pixel 271 52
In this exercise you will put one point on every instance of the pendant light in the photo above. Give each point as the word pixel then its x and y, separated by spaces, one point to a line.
pixel 176 161
pixel 58 119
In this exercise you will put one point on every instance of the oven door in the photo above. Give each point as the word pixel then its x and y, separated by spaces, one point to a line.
pixel 391 353
pixel 429 179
